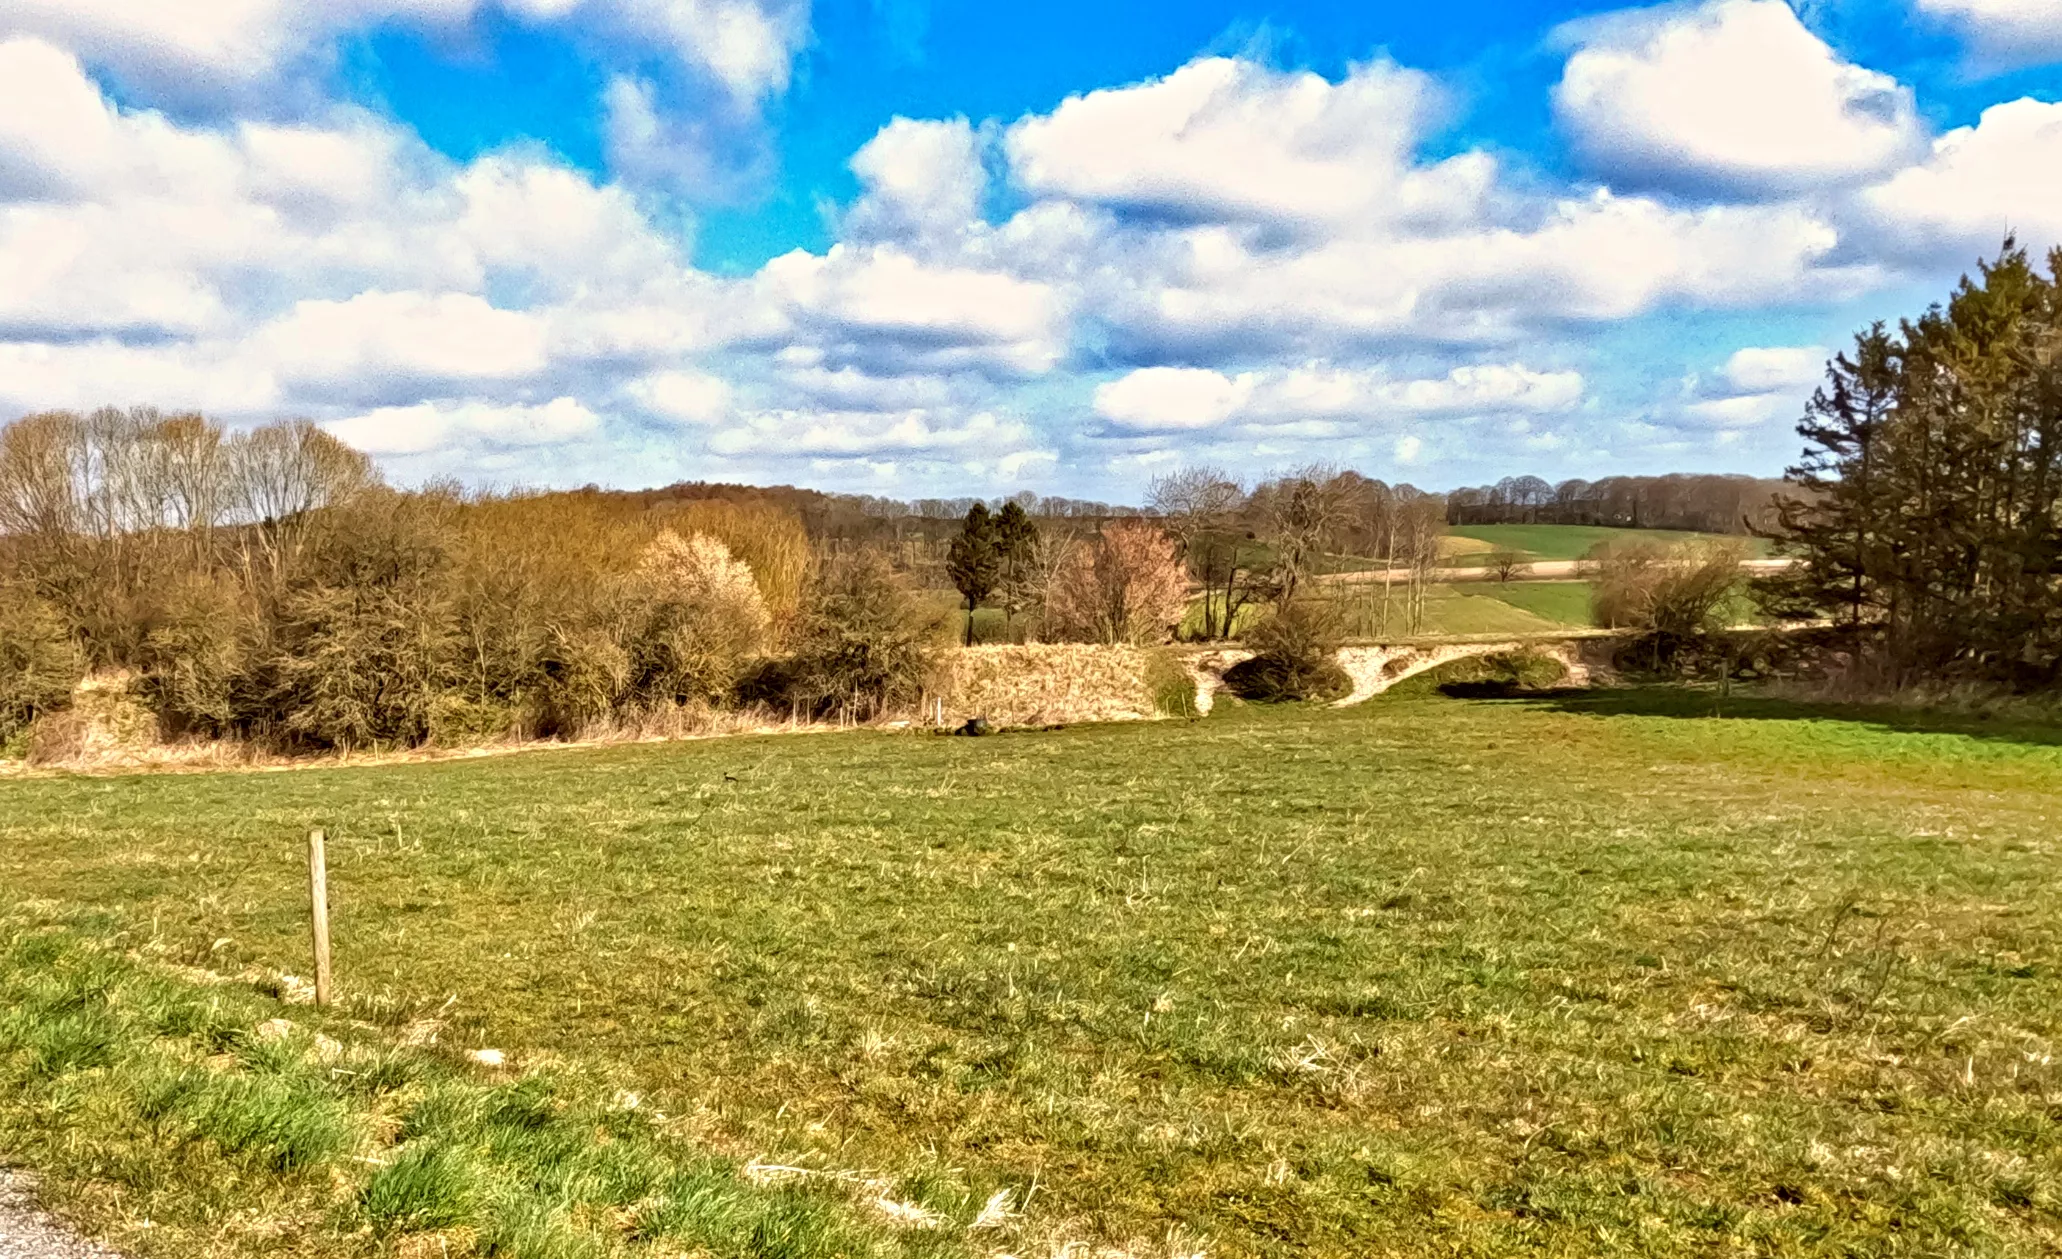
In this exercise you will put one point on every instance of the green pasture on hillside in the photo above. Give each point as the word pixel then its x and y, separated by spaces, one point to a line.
pixel 1562 602
pixel 1636 973
pixel 1570 542
pixel 1464 609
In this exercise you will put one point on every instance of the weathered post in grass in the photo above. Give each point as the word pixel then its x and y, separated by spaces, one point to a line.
pixel 318 896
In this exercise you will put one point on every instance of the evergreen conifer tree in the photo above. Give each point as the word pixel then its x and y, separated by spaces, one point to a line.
pixel 975 562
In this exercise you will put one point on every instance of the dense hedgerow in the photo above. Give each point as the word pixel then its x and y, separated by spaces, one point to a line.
pixel 274 591
pixel 865 644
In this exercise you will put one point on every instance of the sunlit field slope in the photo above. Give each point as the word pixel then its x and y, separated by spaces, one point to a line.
pixel 1570 542
pixel 1606 975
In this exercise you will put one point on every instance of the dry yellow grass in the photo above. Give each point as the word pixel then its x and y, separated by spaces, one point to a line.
pixel 1049 683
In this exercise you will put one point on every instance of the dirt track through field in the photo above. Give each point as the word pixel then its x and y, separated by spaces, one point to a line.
pixel 1538 570
pixel 28 1232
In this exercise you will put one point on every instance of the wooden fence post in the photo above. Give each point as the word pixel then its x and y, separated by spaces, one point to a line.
pixel 318 896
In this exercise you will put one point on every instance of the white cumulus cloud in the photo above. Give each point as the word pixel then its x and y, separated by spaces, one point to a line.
pixel 1172 398
pixel 854 434
pixel 416 339
pixel 1228 139
pixel 197 48
pixel 1764 369
pixel 429 426
pixel 1178 398
pixel 887 306
pixel 683 397
pixel 1753 386
pixel 1735 94
pixel 923 182
pixel 2002 175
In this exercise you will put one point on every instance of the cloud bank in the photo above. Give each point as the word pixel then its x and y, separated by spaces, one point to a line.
pixel 1230 260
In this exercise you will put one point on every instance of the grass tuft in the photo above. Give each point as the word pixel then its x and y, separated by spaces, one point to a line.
pixel 427 1187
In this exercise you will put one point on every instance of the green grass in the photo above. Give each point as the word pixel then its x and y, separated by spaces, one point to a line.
pixel 1450 611
pixel 188 1118
pixel 1569 542
pixel 1594 975
pixel 1562 602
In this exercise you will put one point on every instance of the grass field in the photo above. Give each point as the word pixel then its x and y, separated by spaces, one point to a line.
pixel 1567 542
pixel 1470 608
pixel 1562 602
pixel 1601 975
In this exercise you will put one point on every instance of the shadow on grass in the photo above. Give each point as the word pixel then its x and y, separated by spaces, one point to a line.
pixel 1694 704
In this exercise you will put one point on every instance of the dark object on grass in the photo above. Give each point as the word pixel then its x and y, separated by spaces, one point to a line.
pixel 976 728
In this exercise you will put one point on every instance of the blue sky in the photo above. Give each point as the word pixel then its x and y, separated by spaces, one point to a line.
pixel 937 248
pixel 869 61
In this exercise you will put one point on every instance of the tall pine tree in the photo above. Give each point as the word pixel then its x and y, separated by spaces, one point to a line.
pixel 975 562
pixel 1016 542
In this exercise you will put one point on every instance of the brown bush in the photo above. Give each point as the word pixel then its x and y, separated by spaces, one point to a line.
pixel 581 675
pixel 700 619
pixel 537 584
pixel 364 650
pixel 363 667
pixel 1676 589
pixel 768 538
pixel 40 664
pixel 1674 597
pixel 1295 657
pixel 1126 586
pixel 199 657
pixel 865 645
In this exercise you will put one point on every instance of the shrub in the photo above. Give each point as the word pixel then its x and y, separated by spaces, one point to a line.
pixel 1295 658
pixel 367 637
pixel 460 721
pixel 198 658
pixel 363 666
pixel 580 677
pixel 865 645
pixel 700 619
pixel 1172 686
pixel 769 540
pixel 1679 590
pixel 40 664
pixel 1672 597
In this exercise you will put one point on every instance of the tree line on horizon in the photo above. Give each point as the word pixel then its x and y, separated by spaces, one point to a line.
pixel 1696 502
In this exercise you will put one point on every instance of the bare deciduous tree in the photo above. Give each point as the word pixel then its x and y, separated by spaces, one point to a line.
pixel 1304 513
pixel 1124 586
pixel 284 473
pixel 1199 506
pixel 1420 523
pixel 39 489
